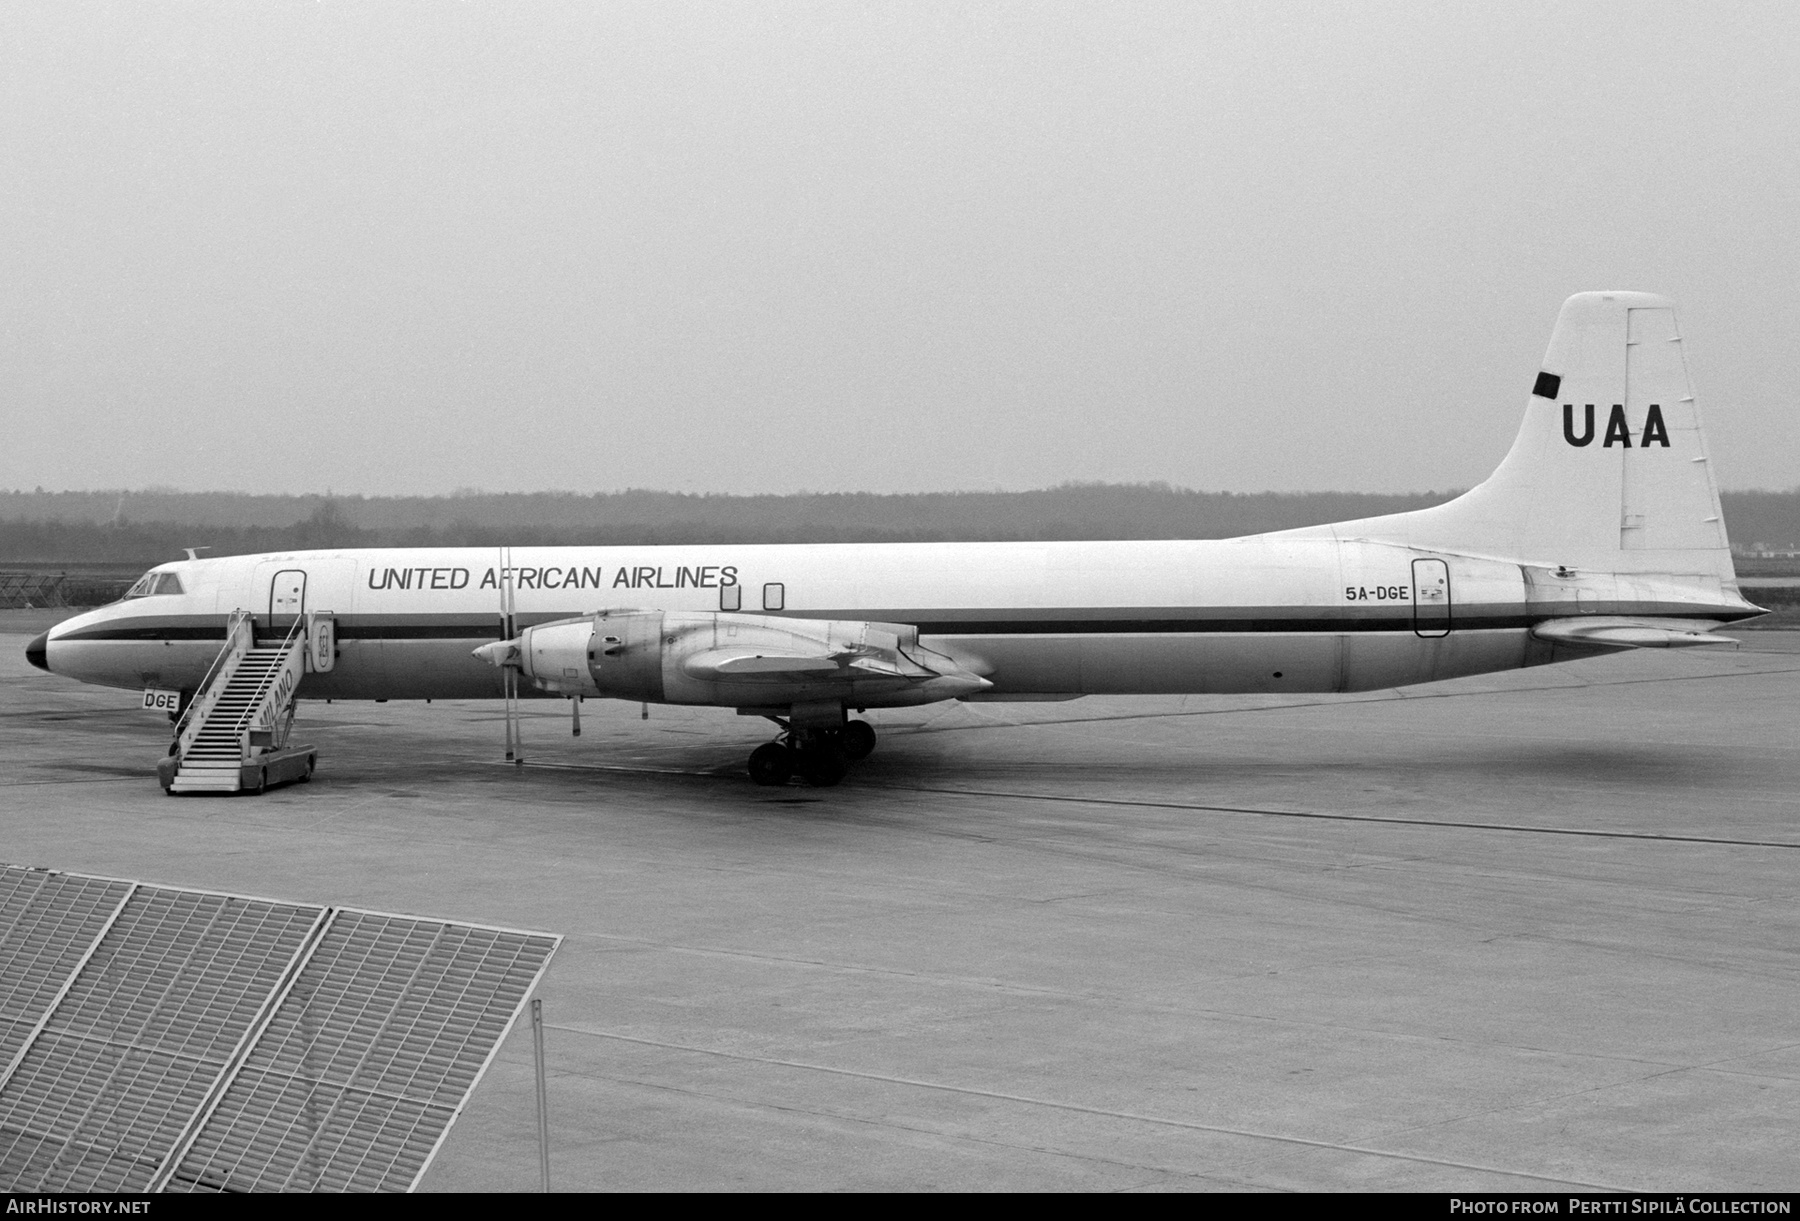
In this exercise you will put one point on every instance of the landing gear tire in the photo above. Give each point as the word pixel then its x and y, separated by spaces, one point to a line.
pixel 859 740
pixel 823 764
pixel 771 764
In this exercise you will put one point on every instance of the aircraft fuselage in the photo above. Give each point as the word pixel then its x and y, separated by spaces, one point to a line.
pixel 1269 613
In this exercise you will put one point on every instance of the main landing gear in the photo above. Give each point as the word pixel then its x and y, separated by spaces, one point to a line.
pixel 818 756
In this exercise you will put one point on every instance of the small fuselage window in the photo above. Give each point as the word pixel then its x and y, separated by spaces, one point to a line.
pixel 153 583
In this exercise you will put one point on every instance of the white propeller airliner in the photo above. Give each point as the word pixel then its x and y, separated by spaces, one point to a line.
pixel 1599 531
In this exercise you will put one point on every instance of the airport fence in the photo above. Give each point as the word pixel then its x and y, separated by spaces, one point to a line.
pixel 28 588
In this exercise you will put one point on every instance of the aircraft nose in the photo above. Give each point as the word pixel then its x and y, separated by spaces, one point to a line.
pixel 38 652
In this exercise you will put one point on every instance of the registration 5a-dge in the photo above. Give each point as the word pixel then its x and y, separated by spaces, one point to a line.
pixel 1377 593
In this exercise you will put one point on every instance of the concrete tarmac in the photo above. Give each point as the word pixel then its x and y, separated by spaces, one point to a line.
pixel 1534 931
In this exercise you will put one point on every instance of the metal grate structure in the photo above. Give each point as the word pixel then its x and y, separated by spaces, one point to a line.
pixel 24 589
pixel 160 1039
pixel 52 922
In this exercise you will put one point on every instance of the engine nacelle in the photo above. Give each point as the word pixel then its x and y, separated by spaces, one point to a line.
pixel 766 662
pixel 617 654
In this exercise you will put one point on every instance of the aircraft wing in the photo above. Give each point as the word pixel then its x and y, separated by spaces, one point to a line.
pixel 1621 633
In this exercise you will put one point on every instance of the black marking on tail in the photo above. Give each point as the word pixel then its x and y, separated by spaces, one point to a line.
pixel 1569 425
pixel 1547 385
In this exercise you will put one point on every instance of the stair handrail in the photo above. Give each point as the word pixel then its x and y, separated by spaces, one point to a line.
pixel 234 627
pixel 296 634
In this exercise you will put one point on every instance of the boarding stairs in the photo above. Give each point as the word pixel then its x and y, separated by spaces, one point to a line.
pixel 234 735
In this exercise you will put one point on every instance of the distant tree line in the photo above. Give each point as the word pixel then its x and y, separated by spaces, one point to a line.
pixel 1080 511
pixel 143 528
pixel 1769 518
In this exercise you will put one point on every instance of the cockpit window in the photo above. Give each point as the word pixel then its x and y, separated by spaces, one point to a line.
pixel 153 583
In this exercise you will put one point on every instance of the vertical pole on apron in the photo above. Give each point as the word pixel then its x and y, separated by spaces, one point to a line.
pixel 537 1039
pixel 509 629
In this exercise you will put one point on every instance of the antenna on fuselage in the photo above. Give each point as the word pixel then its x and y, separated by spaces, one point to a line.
pixel 191 551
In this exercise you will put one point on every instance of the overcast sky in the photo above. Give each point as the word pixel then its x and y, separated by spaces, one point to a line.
pixel 902 246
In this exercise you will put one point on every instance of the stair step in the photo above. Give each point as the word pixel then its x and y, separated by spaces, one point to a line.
pixel 217 747
pixel 202 784
pixel 206 776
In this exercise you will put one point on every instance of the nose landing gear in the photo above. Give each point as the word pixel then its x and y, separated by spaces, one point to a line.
pixel 820 757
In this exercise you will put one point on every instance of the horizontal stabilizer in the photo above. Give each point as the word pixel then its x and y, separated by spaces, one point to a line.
pixel 1613 632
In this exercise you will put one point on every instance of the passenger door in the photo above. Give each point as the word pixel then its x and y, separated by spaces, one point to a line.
pixel 1431 598
pixel 287 599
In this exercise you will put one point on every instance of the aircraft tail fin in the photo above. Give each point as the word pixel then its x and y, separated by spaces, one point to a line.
pixel 1609 472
